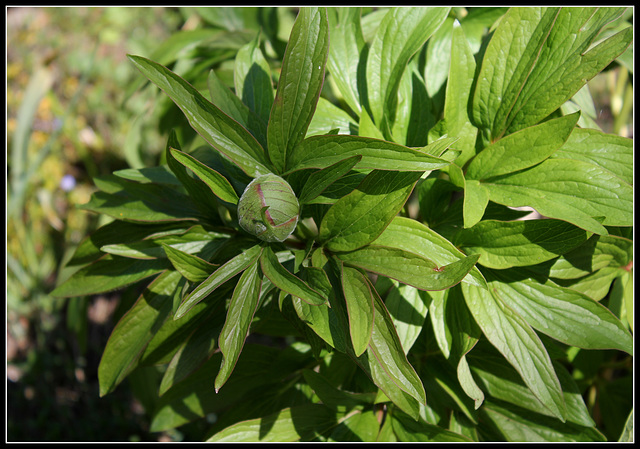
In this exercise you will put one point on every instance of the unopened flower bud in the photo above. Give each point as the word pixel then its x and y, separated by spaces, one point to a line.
pixel 268 208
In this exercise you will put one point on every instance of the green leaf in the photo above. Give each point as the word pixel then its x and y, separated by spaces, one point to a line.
pixel 517 426
pixel 561 313
pixel 195 350
pixel 519 243
pixel 323 151
pixel 591 256
pixel 299 86
pixel 402 32
pixel 159 175
pixel 556 78
pixel 191 267
pixel 204 199
pixel 595 285
pixel 135 329
pixel 360 308
pixel 347 42
pixel 318 181
pixel 476 199
pixel 410 431
pixel 366 127
pixel 386 363
pixel 214 180
pixel 343 186
pixel 285 280
pixel 242 307
pixel 217 128
pixel 409 268
pixel 117 232
pixel 321 318
pixel 225 272
pixel 301 423
pixel 360 217
pixel 440 380
pixel 168 340
pixel 175 46
pixel 361 426
pixel 502 382
pixel 259 369
pixel 230 104
pixel 627 433
pixel 568 190
pixel 608 151
pixel 252 79
pixel 454 323
pixel 332 397
pixel 108 273
pixel 132 201
pixel 548 60
pixel 522 149
pixel 330 119
pixel 462 70
pixel 414 115
pixel 194 241
pixel 519 344
pixel 407 307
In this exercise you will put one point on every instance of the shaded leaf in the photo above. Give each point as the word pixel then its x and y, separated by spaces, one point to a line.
pixel 230 104
pixel 519 344
pixel 360 308
pixel 239 316
pixel 518 425
pixel 502 382
pixel 569 190
pixel 214 180
pixel 334 398
pixel 195 350
pixel 203 198
pixel 252 79
pixel 109 273
pixel 401 34
pixel 408 430
pixel 317 182
pixel 407 307
pixel 562 314
pixel 135 329
pixel 608 151
pixel 519 243
pixel 287 281
pixel 126 200
pixel 118 232
pixel 323 151
pixel 191 267
pixel 217 128
pixel 360 217
pixel 301 423
pixel 225 272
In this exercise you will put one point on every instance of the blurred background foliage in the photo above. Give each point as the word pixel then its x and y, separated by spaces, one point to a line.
pixel 77 109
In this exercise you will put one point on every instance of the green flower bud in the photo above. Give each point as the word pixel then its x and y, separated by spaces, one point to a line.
pixel 268 208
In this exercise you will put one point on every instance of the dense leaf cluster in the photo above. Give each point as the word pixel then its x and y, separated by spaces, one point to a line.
pixel 454 322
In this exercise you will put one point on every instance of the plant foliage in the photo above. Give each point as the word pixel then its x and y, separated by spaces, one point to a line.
pixel 410 302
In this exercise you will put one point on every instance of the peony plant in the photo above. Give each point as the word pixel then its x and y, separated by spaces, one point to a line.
pixel 372 240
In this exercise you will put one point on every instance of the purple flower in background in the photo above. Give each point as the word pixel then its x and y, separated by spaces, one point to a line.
pixel 67 183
